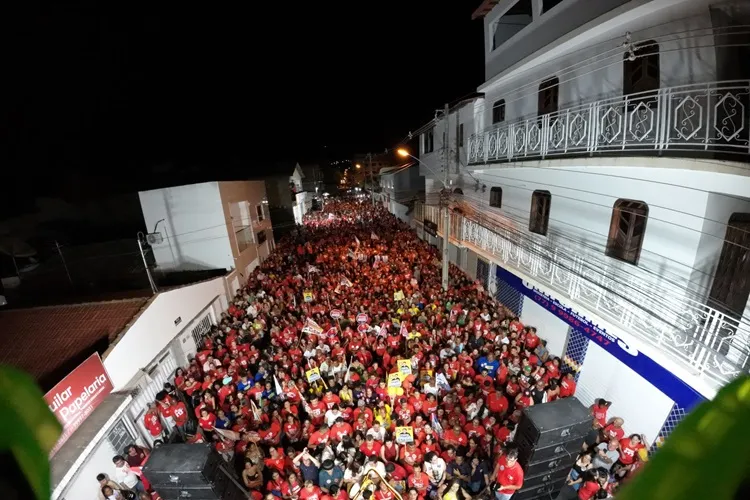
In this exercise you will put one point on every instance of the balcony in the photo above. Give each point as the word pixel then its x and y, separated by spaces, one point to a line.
pixel 710 344
pixel 700 119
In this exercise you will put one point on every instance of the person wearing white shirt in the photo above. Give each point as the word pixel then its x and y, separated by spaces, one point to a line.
pixel 331 416
pixel 126 477
pixel 434 467
pixel 377 432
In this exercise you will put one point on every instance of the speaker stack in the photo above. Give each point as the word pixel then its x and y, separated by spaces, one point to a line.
pixel 548 438
pixel 191 471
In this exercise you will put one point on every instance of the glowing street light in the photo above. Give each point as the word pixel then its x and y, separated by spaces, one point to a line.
pixel 358 166
pixel 402 152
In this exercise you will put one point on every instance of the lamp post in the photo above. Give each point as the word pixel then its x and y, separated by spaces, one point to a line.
pixel 447 217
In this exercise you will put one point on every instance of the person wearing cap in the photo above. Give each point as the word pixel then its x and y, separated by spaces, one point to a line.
pixel 329 475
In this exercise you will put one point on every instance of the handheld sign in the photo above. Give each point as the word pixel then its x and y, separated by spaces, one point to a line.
pixel 313 375
pixel 404 367
pixel 404 435
pixel 362 328
pixel 336 313
pixel 308 295
pixel 362 318
pixel 394 379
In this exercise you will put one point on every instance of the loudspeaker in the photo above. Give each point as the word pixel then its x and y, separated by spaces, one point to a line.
pixel 544 491
pixel 546 477
pixel 552 423
pixel 550 464
pixel 223 487
pixel 182 465
pixel 527 453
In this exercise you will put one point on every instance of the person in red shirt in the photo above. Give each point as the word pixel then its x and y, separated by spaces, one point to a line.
pixel 455 436
pixel 592 483
pixel 370 448
pixel 419 481
pixel 629 448
pixel 179 413
pixel 509 475
pixel 310 492
pixel 614 430
pixel 599 412
pixel 318 437
pixel 207 421
pixel 152 422
pixel 568 385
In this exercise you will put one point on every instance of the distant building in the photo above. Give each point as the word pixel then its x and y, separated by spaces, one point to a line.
pixel 400 189
pixel 212 225
pixel 289 198
pixel 369 168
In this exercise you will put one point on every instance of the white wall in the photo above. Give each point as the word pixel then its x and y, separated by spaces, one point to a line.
pixel 155 328
pixel 194 227
pixel 84 485
pixel 549 327
pixel 643 407
pixel 596 43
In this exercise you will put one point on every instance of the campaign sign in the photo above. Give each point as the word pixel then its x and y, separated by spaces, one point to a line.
pixel 404 435
pixel 362 318
pixel 336 313
pixel 77 395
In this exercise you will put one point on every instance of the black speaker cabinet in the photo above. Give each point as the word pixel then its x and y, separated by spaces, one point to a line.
pixel 552 423
pixel 544 491
pixel 527 453
pixel 223 487
pixel 182 466
pixel 546 477
pixel 550 464
pixel 186 493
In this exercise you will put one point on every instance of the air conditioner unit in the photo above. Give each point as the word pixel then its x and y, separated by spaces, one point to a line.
pixel 154 238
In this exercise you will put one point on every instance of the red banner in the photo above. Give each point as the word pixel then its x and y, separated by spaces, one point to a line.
pixel 74 398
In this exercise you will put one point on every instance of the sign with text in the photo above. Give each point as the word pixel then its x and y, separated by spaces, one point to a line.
pixel 336 313
pixel 77 395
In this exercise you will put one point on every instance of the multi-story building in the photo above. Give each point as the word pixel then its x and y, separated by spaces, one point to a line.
pixel 212 225
pixel 400 189
pixel 602 191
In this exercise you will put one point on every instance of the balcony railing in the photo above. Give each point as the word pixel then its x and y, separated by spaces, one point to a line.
pixel 709 117
pixel 712 344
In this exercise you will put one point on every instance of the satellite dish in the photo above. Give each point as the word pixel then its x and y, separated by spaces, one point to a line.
pixel 154 238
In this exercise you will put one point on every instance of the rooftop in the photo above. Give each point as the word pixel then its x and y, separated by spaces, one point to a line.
pixel 49 342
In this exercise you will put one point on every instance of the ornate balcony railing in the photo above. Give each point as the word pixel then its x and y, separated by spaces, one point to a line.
pixel 709 117
pixel 712 344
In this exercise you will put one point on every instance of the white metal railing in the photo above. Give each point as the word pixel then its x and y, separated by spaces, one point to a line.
pixel 699 117
pixel 712 344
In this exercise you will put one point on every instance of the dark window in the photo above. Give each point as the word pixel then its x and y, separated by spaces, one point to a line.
pixel 461 135
pixel 548 4
pixel 458 191
pixel 496 197
pixel 626 230
pixel 259 212
pixel 539 217
pixel 428 141
pixel 498 111
pixel 641 69
pixel 261 237
pixel 549 94
pixel 731 285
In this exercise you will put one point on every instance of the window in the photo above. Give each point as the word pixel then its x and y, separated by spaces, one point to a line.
pixel 261 237
pixel 498 111
pixel 461 135
pixel 496 197
pixel 641 75
pixel 539 217
pixel 549 94
pixel 548 4
pixel 201 330
pixel 627 229
pixel 241 223
pixel 119 436
pixel 259 211
pixel 731 286
pixel 428 141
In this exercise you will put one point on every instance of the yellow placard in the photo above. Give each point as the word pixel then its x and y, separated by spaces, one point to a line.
pixel 404 367
pixel 307 294
pixel 313 375
pixel 395 379
pixel 404 435
pixel 398 295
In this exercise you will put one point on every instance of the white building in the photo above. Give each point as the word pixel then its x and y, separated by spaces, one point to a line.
pixel 212 225
pixel 601 190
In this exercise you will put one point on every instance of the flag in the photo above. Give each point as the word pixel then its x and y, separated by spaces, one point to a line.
pixel 348 369
pixel 256 411
pixel 278 388
pixel 312 327
pixel 346 282
pixel 435 423
pixel 374 236
pixel 357 240
pixel 404 331
pixel 312 269
pixel 383 331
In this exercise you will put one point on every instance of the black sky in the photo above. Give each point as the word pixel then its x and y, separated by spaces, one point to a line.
pixel 100 89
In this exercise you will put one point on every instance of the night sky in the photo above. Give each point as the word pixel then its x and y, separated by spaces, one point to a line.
pixel 101 91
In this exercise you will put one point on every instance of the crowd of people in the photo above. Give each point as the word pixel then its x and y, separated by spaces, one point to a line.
pixel 342 369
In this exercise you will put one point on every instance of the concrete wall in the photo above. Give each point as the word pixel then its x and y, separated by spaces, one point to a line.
pixel 581 209
pixel 254 193
pixel 550 328
pixel 168 314
pixel 194 227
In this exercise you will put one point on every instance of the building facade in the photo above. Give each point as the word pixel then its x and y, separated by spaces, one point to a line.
pixel 401 188
pixel 600 189
pixel 212 225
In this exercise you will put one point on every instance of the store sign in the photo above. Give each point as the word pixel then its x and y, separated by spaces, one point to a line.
pixel 430 227
pixel 658 376
pixel 77 395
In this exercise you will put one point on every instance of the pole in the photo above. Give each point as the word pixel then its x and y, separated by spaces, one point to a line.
pixel 372 177
pixel 145 264
pixel 447 221
pixel 65 265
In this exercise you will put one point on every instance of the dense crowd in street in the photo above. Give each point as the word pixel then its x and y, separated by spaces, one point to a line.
pixel 342 369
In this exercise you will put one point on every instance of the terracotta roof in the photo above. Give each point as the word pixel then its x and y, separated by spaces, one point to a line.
pixel 49 342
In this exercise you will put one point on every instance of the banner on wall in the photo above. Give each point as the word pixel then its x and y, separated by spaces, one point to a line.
pixel 658 376
pixel 76 396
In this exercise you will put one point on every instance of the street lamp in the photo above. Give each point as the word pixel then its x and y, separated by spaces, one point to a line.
pixel 358 166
